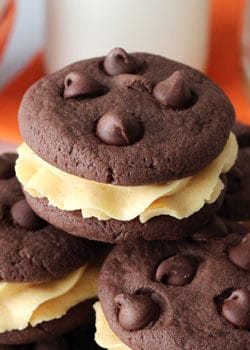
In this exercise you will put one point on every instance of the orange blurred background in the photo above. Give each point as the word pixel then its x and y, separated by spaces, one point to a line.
pixel 224 66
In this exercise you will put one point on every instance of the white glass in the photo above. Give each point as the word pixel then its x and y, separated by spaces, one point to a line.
pixel 78 29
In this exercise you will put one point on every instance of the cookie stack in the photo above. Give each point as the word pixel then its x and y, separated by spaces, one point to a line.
pixel 133 150
pixel 47 277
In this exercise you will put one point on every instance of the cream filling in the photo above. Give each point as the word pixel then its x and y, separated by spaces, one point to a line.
pixel 104 336
pixel 179 198
pixel 29 304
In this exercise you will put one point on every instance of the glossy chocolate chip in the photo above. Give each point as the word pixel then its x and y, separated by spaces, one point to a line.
pixel 136 311
pixel 177 270
pixel 22 215
pixel 240 254
pixel 236 308
pixel 234 180
pixel 119 128
pixel 118 61
pixel 7 166
pixel 78 84
pixel 173 92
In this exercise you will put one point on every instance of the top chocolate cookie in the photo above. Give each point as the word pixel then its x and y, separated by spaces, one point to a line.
pixel 127 119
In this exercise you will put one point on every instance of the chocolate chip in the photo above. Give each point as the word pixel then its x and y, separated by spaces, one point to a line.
pixel 234 180
pixel 240 254
pixel 7 166
pixel 119 61
pixel 173 92
pixel 136 311
pixel 119 128
pixel 236 308
pixel 22 215
pixel 177 270
pixel 78 84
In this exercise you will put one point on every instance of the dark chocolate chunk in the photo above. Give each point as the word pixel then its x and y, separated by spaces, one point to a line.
pixel 236 308
pixel 173 92
pixel 78 84
pixel 119 128
pixel 177 270
pixel 136 311
pixel 118 61
pixel 240 255
pixel 23 216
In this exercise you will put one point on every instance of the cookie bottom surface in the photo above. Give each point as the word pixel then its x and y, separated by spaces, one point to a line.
pixel 81 314
pixel 115 231
pixel 79 338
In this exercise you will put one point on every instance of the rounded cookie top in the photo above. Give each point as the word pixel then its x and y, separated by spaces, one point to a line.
pixel 194 294
pixel 126 119
pixel 31 250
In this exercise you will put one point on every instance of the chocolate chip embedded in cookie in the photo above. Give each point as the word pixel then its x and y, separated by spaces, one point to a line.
pixel 192 294
pixel 236 308
pixel 118 61
pixel 119 128
pixel 174 91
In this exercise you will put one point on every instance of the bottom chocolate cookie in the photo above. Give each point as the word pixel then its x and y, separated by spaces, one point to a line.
pixel 81 314
pixel 114 231
pixel 79 338
pixel 192 294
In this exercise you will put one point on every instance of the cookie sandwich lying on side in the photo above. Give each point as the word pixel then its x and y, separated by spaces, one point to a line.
pixel 126 146
pixel 48 278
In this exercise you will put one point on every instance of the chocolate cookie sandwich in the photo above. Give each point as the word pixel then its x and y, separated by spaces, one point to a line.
pixel 125 146
pixel 48 278
pixel 192 294
pixel 237 200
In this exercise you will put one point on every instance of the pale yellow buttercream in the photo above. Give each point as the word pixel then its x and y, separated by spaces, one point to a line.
pixel 28 304
pixel 104 335
pixel 179 199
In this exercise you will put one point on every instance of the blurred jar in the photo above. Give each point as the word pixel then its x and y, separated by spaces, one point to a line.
pixel 3 5
pixel 78 29
pixel 246 40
